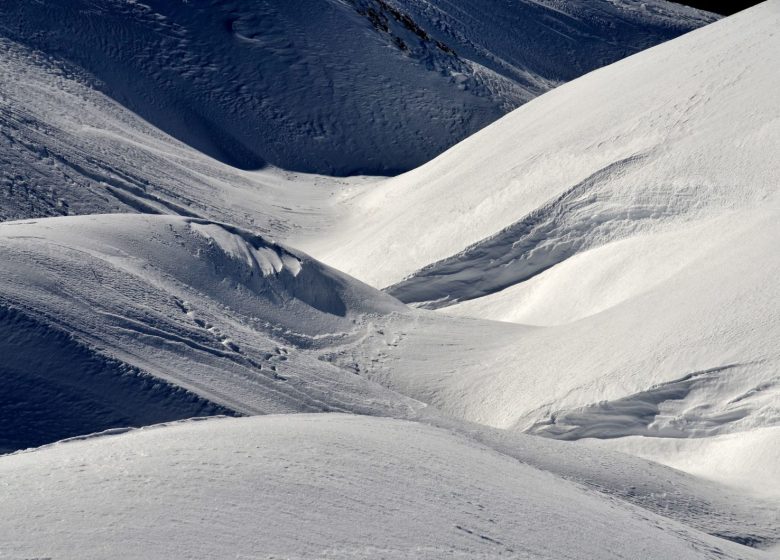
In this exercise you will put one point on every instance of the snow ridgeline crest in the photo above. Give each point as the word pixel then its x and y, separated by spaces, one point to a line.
pixel 266 83
pixel 274 271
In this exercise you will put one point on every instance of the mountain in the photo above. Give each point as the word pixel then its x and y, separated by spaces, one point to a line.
pixel 631 217
pixel 332 86
pixel 562 327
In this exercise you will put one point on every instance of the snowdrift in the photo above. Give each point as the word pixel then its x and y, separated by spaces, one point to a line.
pixel 679 133
pixel 631 216
pixel 317 485
pixel 204 308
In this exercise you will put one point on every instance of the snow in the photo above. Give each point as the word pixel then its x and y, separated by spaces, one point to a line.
pixel 54 388
pixel 599 268
pixel 71 150
pixel 747 461
pixel 207 307
pixel 327 486
pixel 677 133
pixel 322 85
pixel 638 235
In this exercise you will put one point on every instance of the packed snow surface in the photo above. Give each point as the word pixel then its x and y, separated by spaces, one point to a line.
pixel 325 486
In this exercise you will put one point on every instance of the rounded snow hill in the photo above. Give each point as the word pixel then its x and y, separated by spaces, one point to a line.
pixel 325 486
pixel 629 221
pixel 679 133
pixel 118 320
pixel 333 86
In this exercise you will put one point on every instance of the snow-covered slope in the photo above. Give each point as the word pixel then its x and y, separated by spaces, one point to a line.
pixel 118 320
pixel 334 86
pixel 198 305
pixel 632 217
pixel 680 132
pixel 55 387
pixel 69 149
pixel 326 486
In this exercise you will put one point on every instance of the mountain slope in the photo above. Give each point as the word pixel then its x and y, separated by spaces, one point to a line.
pixel 333 86
pixel 638 236
pixel 317 485
pixel 119 320
pixel 680 132
pixel 150 302
pixel 664 262
pixel 55 388
pixel 69 149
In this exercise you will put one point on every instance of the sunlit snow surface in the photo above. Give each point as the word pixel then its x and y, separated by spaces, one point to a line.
pixel 324 486
pixel 603 266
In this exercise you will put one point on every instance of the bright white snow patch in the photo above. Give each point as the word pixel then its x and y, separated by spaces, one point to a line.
pixel 325 486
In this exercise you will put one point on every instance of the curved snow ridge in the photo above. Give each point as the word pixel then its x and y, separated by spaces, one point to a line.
pixel 372 486
pixel 729 398
pixel 590 214
pixel 204 306
pixel 680 132
pixel 282 271
pixel 719 307
pixel 221 260
pixel 545 237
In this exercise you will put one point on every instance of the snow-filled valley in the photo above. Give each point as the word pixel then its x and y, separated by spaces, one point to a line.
pixel 556 339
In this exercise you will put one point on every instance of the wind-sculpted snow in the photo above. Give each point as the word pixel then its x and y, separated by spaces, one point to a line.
pixel 334 86
pixel 620 233
pixel 325 486
pixel 162 305
pixel 68 149
pixel 203 306
pixel 661 410
pixel 678 133
pixel 631 216
pixel 691 354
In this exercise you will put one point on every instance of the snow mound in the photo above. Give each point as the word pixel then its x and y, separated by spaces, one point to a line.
pixel 370 487
pixel 198 305
pixel 334 86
